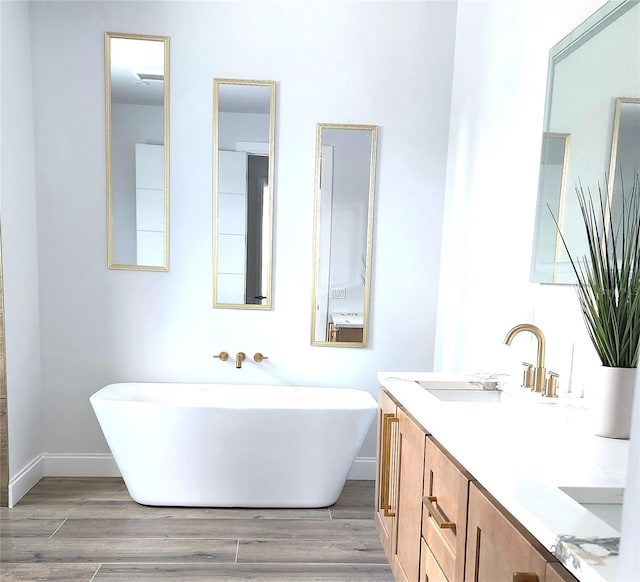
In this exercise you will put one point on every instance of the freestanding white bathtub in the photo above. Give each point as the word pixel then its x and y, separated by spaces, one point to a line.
pixel 218 445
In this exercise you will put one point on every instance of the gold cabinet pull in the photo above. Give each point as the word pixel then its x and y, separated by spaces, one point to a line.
pixel 431 504
pixel 525 577
pixel 388 420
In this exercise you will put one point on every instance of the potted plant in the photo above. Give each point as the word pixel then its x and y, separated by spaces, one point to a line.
pixel 608 288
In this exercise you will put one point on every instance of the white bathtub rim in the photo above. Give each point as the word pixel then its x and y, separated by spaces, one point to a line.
pixel 360 399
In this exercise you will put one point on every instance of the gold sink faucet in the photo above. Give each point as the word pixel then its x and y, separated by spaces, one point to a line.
pixel 240 357
pixel 540 372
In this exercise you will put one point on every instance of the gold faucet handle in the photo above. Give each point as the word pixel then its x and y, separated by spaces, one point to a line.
pixel 551 390
pixel 528 375
pixel 224 356
pixel 258 357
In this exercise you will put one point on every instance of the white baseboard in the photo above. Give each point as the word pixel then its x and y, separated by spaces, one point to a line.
pixel 363 468
pixel 80 465
pixel 26 478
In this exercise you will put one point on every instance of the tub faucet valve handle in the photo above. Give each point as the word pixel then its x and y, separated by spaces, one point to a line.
pixel 224 356
pixel 258 357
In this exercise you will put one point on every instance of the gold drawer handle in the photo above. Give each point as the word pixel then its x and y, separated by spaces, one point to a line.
pixel 431 504
pixel 525 577
pixel 388 420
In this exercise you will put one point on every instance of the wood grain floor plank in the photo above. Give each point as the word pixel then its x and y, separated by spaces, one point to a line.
pixel 132 509
pixel 48 572
pixel 116 550
pixel 240 572
pixel 214 528
pixel 129 542
pixel 16 526
pixel 355 550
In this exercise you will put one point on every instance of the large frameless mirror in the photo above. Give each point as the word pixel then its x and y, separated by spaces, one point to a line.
pixel 137 131
pixel 343 233
pixel 244 128
pixel 589 69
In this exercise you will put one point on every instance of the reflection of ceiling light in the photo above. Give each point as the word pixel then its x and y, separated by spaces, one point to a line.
pixel 145 77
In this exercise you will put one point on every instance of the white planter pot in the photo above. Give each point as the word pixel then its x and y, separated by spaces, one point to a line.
pixel 611 401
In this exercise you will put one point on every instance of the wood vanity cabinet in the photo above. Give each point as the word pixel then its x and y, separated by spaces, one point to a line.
pixel 401 478
pixel 556 572
pixel 498 548
pixel 437 524
pixel 444 514
pixel 385 469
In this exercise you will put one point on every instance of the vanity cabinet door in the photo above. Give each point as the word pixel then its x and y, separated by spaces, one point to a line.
pixel 444 513
pixel 386 474
pixel 497 548
pixel 430 570
pixel 405 562
pixel 556 572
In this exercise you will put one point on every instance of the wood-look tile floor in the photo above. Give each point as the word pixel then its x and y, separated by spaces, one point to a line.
pixel 88 529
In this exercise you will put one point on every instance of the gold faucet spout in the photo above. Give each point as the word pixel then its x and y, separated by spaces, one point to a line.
pixel 240 357
pixel 535 331
pixel 540 372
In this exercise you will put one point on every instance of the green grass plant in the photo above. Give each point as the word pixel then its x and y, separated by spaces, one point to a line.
pixel 608 275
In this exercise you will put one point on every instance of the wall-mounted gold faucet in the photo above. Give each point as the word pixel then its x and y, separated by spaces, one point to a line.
pixel 240 357
pixel 540 372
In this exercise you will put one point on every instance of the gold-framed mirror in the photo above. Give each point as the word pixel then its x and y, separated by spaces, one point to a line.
pixel 243 171
pixel 345 176
pixel 137 136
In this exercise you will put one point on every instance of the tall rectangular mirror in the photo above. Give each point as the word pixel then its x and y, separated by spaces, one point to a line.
pixel 343 233
pixel 243 150
pixel 137 132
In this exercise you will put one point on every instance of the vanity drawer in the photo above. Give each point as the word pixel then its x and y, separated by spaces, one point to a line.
pixel 430 571
pixel 444 511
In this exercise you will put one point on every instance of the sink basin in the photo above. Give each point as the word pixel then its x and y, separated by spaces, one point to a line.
pixel 604 502
pixel 461 391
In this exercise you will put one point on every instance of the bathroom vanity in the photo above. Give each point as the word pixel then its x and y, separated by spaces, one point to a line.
pixel 478 485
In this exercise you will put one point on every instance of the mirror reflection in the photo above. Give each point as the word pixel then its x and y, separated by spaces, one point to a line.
pixel 345 184
pixel 625 152
pixel 244 125
pixel 592 66
pixel 551 199
pixel 137 112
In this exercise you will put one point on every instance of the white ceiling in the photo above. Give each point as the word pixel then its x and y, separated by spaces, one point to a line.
pixel 130 57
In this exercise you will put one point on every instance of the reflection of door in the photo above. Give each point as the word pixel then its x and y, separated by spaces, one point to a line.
pixel 257 178
pixel 324 250
pixel 232 227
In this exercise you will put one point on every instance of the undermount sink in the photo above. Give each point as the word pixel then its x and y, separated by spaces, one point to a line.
pixel 463 391
pixel 604 502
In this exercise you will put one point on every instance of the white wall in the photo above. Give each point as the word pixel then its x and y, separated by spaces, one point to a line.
pixel 388 64
pixel 494 153
pixel 20 252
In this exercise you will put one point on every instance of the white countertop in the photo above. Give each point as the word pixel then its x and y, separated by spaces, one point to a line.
pixel 347 319
pixel 521 450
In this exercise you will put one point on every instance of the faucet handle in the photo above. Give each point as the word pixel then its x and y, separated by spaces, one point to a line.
pixel 258 357
pixel 528 375
pixel 224 356
pixel 551 390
